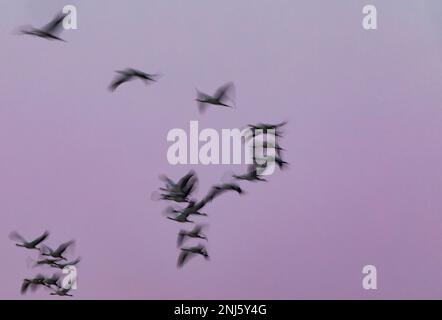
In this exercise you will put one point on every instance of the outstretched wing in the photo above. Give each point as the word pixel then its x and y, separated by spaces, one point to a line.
pixel 16 237
pixel 223 92
pixel 46 250
pixel 181 236
pixel 185 180
pixel 40 239
pixel 197 229
pixel 25 286
pixel 119 80
pixel 54 26
pixel 183 258
pixel 62 248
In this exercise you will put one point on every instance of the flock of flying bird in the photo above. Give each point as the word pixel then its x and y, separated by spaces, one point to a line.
pixel 179 192
pixel 54 258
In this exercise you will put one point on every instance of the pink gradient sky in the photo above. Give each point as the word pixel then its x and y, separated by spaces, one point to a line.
pixel 364 142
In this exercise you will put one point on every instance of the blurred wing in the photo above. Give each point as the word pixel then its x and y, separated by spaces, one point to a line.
pixel 185 180
pixel 202 107
pixel 16 237
pixel 46 250
pixel 40 239
pixel 180 240
pixel 118 81
pixel 224 91
pixel 198 228
pixel 25 286
pixel 62 248
pixel 55 25
pixel 183 258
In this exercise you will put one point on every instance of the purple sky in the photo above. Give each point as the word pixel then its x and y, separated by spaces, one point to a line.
pixel 364 143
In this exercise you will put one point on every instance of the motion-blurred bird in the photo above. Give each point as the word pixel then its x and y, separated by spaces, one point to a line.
pixel 195 234
pixel 220 98
pixel 131 74
pixel 31 244
pixel 50 31
pixel 187 253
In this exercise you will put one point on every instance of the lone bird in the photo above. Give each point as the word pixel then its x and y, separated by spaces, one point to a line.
pixel 220 97
pixel 131 74
pixel 50 31
pixel 31 244
pixel 187 253
pixel 195 234
pixel 57 253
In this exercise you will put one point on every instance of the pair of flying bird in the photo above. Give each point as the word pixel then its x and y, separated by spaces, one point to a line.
pixel 221 97
pixel 50 257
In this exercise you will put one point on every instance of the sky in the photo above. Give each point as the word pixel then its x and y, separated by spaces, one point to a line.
pixel 363 142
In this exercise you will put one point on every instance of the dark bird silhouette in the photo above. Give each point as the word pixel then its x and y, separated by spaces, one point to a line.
pixel 220 98
pixel 217 190
pixel 187 253
pixel 64 265
pixel 57 253
pixel 49 262
pixel 251 175
pixel 195 234
pixel 50 31
pixel 32 284
pixel 62 292
pixel 31 244
pixel 180 191
pixel 131 74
